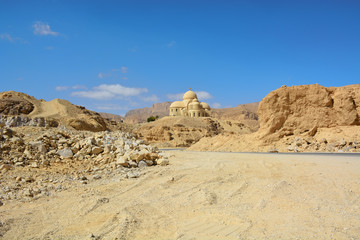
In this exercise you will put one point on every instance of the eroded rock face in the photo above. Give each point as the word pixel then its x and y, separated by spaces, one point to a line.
pixel 13 107
pixel 295 110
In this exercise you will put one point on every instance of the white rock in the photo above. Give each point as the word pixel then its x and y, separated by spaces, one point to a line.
pixel 162 162
pixel 132 175
pixel 142 164
pixel 65 153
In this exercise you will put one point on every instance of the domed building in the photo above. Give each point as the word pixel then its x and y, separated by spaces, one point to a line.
pixel 190 106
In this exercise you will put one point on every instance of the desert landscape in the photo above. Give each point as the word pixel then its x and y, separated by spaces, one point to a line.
pixel 69 173
pixel 179 120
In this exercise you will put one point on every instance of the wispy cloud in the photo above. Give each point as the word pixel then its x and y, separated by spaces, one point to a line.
pixel 79 87
pixel 44 29
pixel 124 78
pixel 122 69
pixel 171 44
pixel 202 95
pixel 110 91
pixel 49 48
pixel 104 75
pixel 152 98
pixel 61 88
pixel 216 105
pixel 6 36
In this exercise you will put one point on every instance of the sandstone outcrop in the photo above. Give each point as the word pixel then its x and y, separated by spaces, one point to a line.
pixel 295 110
pixel 308 118
pixel 57 112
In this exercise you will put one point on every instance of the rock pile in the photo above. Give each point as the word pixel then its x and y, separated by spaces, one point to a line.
pixel 34 161
pixel 19 121
pixel 309 144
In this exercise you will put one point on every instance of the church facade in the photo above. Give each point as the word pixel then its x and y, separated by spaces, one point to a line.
pixel 190 106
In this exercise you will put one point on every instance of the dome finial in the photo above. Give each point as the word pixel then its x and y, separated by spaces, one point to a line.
pixel 190 88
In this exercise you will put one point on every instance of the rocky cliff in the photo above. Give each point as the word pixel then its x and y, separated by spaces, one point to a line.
pixel 295 110
pixel 305 118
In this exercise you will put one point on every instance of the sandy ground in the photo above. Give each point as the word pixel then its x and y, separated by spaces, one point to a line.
pixel 204 195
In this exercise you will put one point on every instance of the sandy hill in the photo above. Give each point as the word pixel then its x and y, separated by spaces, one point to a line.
pixel 184 131
pixel 245 113
pixel 141 114
pixel 62 111
pixel 112 117
pixel 300 118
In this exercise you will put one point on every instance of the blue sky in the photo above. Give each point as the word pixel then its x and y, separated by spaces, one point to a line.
pixel 114 56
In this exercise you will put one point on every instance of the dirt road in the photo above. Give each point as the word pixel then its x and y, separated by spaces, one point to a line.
pixel 204 195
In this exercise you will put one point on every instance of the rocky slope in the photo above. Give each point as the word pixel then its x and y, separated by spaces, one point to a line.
pixel 141 114
pixel 244 113
pixel 306 118
pixel 112 117
pixel 35 162
pixel 57 111
pixel 184 131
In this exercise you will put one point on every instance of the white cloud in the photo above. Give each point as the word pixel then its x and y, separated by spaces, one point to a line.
pixel 6 36
pixel 43 29
pixel 100 75
pixel 216 105
pixel 61 88
pixel 152 98
pixel 202 95
pixel 171 44
pixel 49 48
pixel 99 95
pixel 109 91
pixel 79 87
pixel 124 78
